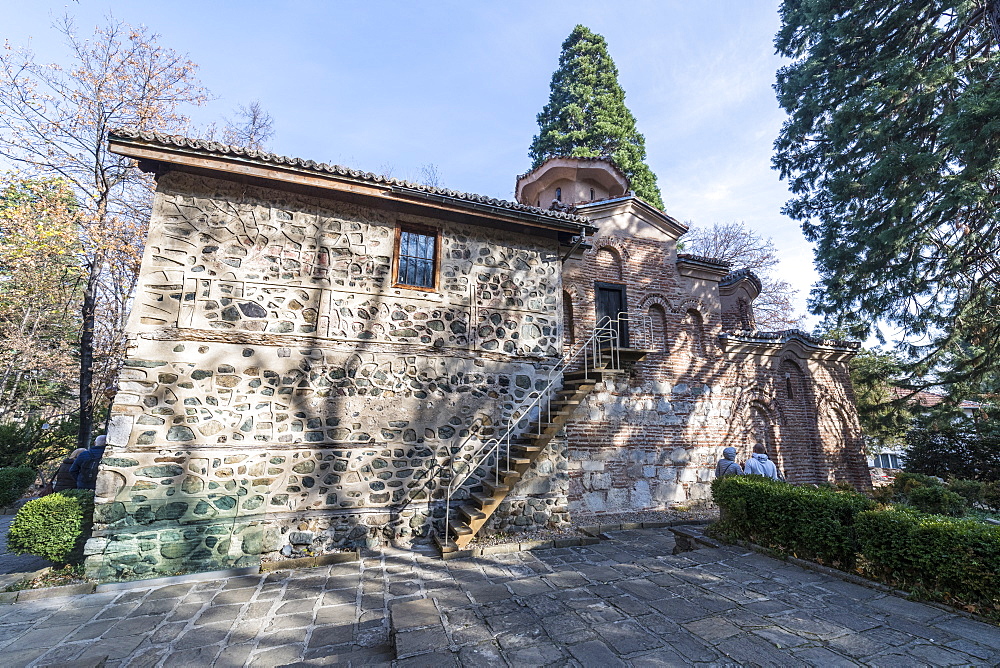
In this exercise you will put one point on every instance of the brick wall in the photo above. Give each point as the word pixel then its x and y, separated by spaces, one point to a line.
pixel 650 437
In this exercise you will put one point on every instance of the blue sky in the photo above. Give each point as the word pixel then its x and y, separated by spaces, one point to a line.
pixel 397 85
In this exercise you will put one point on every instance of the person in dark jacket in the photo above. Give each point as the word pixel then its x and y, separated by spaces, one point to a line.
pixel 63 479
pixel 727 465
pixel 85 466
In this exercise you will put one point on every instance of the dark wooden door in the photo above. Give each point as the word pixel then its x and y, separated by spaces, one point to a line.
pixel 611 302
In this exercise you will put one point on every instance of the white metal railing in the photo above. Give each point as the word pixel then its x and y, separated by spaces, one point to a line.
pixel 602 349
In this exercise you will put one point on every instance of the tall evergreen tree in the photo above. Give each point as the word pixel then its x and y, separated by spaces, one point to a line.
pixel 892 150
pixel 586 115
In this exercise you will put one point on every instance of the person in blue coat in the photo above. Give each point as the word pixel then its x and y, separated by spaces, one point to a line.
pixel 86 464
pixel 759 464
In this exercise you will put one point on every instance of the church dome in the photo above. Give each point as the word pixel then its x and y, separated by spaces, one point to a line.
pixel 571 181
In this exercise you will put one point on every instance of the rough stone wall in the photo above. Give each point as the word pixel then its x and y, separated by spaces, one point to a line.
pixel 282 396
pixel 650 438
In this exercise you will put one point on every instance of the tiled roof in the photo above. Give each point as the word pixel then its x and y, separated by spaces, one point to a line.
pixel 596 158
pixel 701 258
pixel 739 275
pixel 216 148
pixel 788 335
pixel 929 399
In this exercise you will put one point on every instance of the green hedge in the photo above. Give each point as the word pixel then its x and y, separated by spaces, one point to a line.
pixel 941 558
pixel 807 522
pixel 991 495
pixel 937 501
pixel 54 526
pixel 14 482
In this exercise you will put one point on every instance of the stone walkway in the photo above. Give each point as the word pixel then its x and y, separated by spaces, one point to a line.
pixel 627 601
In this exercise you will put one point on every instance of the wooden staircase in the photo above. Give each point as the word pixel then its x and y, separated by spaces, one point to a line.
pixel 472 515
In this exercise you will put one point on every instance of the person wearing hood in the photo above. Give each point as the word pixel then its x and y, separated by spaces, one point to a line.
pixel 727 465
pixel 86 464
pixel 759 464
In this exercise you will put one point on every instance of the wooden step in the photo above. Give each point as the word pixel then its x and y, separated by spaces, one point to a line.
pixel 525 449
pixel 548 430
pixel 579 389
pixel 472 512
pixel 484 500
pixel 566 402
pixel 592 375
pixel 495 488
pixel 509 474
pixel 540 440
pixel 459 528
pixel 446 545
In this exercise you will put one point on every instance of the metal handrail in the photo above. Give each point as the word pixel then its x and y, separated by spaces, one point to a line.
pixel 603 345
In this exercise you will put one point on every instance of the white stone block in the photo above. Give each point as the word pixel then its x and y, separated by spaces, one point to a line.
pixel 668 492
pixel 687 474
pixel 641 497
pixel 600 481
pixel 666 473
pixel 699 492
pixel 618 499
pixel 680 456
pixel 119 429
pixel 595 501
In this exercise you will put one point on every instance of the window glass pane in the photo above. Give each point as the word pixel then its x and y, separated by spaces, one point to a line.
pixel 404 269
pixel 416 259
pixel 426 271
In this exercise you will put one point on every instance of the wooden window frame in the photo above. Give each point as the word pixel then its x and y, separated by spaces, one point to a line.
pixel 435 271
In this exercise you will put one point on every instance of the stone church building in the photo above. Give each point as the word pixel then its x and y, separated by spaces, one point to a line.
pixel 325 358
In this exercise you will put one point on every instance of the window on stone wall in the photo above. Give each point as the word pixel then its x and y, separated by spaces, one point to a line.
pixel 416 257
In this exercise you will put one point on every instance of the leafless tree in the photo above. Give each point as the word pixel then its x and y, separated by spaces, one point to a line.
pixel 745 249
pixel 54 121
pixel 252 127
pixel 430 176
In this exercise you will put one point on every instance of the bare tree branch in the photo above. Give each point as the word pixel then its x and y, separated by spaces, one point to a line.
pixel 745 249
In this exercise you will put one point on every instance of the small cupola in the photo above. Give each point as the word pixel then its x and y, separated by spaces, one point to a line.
pixel 566 182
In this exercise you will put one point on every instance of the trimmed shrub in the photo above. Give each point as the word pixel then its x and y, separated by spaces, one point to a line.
pixel 970 490
pixel 991 495
pixel 807 522
pixel 937 501
pixel 53 527
pixel 14 482
pixel 906 481
pixel 941 558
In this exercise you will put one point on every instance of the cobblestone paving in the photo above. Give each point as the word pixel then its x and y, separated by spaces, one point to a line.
pixel 624 602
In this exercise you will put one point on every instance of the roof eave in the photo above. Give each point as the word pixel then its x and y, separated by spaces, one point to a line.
pixel 229 163
pixel 672 225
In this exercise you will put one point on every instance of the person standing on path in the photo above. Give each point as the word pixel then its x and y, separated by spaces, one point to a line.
pixel 727 465
pixel 759 464
pixel 64 479
pixel 85 466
